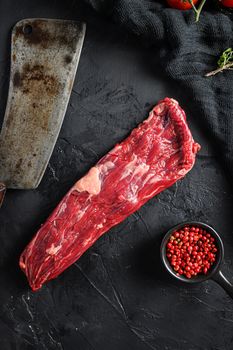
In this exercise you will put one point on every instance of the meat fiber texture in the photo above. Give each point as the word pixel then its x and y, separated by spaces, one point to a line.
pixel 157 153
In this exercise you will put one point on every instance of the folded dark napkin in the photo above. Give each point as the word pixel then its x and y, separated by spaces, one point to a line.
pixel 186 51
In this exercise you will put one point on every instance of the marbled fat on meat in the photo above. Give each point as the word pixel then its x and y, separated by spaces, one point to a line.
pixel 157 153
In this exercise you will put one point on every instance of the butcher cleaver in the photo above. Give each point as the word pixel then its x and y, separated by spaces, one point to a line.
pixel 44 59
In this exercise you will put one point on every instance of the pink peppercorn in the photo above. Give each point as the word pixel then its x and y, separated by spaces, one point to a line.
pixel 191 251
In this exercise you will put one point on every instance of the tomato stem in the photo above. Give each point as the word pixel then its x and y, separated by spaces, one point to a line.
pixel 198 9
pixel 193 6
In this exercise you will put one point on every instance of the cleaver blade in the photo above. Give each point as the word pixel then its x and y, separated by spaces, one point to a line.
pixel 44 59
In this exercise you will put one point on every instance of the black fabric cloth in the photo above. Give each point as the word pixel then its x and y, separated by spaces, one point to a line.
pixel 186 51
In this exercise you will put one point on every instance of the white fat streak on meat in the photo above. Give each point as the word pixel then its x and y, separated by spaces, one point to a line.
pixel 50 252
pixel 81 212
pixel 39 270
pixel 44 277
pixel 156 191
pixel 133 193
pixel 53 249
pixel 62 208
pixel 105 167
pixel 89 239
pixel 92 181
pixel 135 167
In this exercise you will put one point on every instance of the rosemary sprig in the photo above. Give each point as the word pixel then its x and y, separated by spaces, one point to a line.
pixel 225 62
pixel 198 9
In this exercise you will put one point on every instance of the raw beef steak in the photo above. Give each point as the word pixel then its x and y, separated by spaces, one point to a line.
pixel 157 153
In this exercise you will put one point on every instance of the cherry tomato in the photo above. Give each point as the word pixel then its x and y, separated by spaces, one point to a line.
pixel 226 3
pixel 183 4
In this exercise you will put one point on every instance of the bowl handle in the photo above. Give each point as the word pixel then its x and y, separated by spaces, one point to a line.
pixel 223 282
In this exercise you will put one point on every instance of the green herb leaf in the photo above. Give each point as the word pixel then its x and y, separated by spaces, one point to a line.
pixel 226 57
pixel 225 62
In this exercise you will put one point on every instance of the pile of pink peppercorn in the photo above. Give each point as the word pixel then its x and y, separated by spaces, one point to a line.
pixel 191 250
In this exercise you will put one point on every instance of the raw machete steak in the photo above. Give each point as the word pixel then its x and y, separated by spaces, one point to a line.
pixel 157 153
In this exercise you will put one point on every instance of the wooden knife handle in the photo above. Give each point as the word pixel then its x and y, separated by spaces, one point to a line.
pixel 2 192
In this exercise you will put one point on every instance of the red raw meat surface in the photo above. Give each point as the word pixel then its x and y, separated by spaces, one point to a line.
pixel 157 153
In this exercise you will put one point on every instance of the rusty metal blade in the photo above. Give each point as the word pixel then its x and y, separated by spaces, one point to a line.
pixel 44 60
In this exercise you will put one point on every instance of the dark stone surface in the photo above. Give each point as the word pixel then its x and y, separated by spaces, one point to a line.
pixel 117 296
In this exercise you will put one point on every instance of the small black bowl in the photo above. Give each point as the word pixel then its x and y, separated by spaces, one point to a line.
pixel 214 273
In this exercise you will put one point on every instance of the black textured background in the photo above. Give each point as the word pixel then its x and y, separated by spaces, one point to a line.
pixel 117 296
